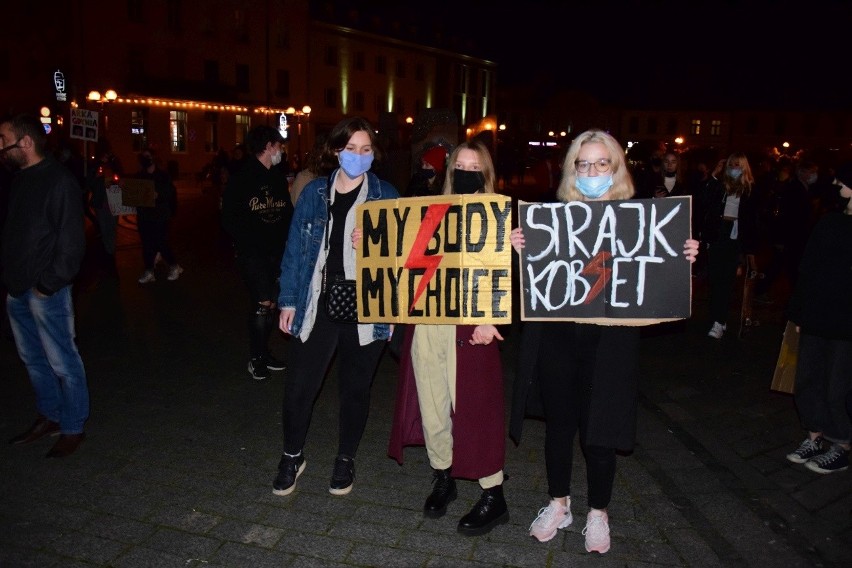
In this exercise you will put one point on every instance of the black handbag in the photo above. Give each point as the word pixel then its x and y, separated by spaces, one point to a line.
pixel 341 301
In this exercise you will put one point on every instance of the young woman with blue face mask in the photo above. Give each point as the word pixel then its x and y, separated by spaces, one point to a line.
pixel 319 249
pixel 587 374
pixel 729 228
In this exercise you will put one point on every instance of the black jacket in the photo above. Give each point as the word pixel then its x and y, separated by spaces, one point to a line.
pixel 256 209
pixel 43 238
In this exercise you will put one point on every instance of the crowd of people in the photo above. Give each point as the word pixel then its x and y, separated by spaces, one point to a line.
pixel 291 241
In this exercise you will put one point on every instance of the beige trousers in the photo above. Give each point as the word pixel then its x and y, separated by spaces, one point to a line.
pixel 433 356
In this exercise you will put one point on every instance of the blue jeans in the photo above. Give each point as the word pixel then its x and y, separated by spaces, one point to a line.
pixel 44 333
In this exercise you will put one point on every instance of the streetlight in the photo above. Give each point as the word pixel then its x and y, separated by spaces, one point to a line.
pixel 298 117
pixel 109 96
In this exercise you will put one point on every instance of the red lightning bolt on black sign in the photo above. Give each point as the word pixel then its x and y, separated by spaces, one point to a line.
pixel 598 266
pixel 416 258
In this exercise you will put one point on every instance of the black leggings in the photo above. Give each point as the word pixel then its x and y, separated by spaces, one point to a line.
pixel 565 377
pixel 308 365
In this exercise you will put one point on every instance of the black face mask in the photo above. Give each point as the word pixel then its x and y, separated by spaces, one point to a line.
pixel 466 182
pixel 671 174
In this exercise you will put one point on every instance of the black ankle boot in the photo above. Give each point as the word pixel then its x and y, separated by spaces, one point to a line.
pixel 489 511
pixel 443 493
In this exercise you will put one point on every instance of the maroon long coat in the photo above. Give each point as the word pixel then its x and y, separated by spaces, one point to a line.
pixel 479 437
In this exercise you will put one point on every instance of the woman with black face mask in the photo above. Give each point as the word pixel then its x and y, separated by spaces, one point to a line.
pixel 458 378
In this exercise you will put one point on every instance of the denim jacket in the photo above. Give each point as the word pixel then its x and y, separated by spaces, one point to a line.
pixel 304 256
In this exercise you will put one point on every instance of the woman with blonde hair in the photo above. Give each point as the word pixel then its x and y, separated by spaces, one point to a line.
pixel 450 390
pixel 581 377
pixel 730 230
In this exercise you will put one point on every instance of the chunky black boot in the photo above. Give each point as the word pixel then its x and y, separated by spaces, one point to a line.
pixel 442 494
pixel 489 511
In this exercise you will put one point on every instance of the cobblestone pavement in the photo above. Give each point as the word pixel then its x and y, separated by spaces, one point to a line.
pixel 182 446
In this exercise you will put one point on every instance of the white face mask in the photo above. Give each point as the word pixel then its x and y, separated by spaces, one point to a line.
pixel 276 158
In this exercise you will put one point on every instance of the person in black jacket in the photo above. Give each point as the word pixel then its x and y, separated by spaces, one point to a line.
pixel 43 246
pixel 729 228
pixel 256 213
pixel 153 222
pixel 821 308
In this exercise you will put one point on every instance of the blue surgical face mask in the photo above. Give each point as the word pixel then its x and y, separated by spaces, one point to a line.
pixel 354 164
pixel 734 173
pixel 594 187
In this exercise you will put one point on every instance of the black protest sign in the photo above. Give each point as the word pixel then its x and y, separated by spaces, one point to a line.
pixel 442 259
pixel 610 262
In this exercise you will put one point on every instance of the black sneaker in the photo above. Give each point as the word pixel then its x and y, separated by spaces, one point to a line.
pixel 343 475
pixel 274 364
pixel 258 369
pixel 835 459
pixel 289 470
pixel 807 450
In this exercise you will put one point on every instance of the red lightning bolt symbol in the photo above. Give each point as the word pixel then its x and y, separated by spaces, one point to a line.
pixel 598 266
pixel 416 259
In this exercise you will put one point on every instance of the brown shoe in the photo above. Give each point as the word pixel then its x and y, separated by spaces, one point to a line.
pixel 41 427
pixel 66 445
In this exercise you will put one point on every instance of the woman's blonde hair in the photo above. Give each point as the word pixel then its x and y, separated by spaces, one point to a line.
pixel 485 163
pixel 743 185
pixel 622 181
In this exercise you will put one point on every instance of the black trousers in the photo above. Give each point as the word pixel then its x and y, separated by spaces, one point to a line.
pixel 724 258
pixel 308 364
pixel 260 275
pixel 565 380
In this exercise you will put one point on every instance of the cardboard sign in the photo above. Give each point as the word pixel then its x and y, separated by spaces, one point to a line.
pixel 84 124
pixel 138 192
pixel 442 259
pixel 608 262
pixel 115 202
pixel 784 378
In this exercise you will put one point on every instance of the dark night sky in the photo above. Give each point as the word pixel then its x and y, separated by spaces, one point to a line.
pixel 689 53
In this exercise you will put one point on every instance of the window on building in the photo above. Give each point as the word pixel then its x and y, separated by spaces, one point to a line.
pixel 400 68
pixel 484 83
pixel 282 83
pixel 715 127
pixel 240 26
pixel 173 13
pixel 242 78
pixel 360 61
pixel 381 65
pixel 330 97
pixel 695 126
pixel 331 56
pixel 464 78
pixel 177 130
pixel 176 66
pixel 671 127
pixel 136 61
pixel 379 104
pixel 211 72
pixel 780 125
pixel 420 72
pixel 652 125
pixel 138 128
pixel 398 105
pixel 359 101
pixel 282 36
pixel 134 11
pixel 211 142
pixel 418 106
pixel 633 125
pixel 751 125
pixel 243 125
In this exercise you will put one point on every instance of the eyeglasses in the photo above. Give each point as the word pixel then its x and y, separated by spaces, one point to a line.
pixel 601 165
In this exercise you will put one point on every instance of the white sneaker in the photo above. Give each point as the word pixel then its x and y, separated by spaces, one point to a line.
pixel 597 531
pixel 147 277
pixel 717 331
pixel 175 272
pixel 551 518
